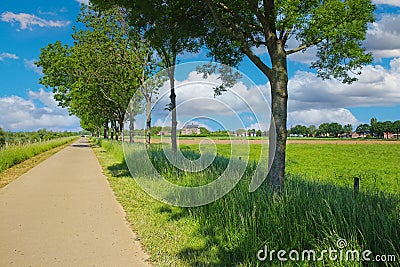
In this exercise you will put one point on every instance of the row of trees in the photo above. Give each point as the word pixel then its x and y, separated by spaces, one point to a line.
pixel 98 65
pixel 379 128
pixel 325 129
pixel 376 129
pixel 17 138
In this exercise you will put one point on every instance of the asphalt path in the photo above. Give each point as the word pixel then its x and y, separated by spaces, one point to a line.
pixel 64 213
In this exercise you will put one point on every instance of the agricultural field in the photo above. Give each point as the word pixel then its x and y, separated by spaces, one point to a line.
pixel 317 208
pixel 12 155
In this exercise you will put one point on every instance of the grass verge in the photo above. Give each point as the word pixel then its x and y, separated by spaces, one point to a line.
pixel 9 174
pixel 230 232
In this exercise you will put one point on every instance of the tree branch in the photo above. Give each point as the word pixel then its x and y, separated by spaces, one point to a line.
pixel 303 46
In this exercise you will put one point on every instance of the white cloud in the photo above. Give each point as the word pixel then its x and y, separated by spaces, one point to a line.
pixel 39 111
pixel 387 2
pixel 4 56
pixel 85 2
pixel 195 97
pixel 376 86
pixel 30 64
pixel 318 116
pixel 27 21
pixel 313 100
pixel 383 37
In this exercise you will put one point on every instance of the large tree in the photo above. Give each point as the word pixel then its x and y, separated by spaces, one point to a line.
pixel 336 28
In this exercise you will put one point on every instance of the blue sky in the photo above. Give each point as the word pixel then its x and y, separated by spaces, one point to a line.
pixel 27 26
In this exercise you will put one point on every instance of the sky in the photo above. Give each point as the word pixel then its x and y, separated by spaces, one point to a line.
pixel 27 26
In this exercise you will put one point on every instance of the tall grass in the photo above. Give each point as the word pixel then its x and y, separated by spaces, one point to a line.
pixel 309 215
pixel 13 155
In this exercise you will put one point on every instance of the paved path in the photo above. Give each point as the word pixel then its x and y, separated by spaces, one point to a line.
pixel 63 213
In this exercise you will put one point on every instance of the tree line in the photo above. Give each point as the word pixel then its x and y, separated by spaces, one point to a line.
pixel 376 129
pixel 19 138
pixel 125 42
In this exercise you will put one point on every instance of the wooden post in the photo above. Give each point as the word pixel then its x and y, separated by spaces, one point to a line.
pixel 356 185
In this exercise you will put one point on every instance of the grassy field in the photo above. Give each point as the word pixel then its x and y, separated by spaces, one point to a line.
pixel 378 165
pixel 13 155
pixel 314 211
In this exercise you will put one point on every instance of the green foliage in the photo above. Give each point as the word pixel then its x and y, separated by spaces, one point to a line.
pixel 13 155
pixel 298 130
pixel 2 138
pixel 204 131
pixel 230 231
pixel 97 76
pixel 19 138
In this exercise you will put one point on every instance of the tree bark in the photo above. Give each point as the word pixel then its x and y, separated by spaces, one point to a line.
pixel 148 121
pixel 121 128
pixel 131 123
pixel 106 131
pixel 279 97
pixel 171 74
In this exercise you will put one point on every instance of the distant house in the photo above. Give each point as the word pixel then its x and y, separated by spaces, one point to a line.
pixel 190 129
pixel 356 135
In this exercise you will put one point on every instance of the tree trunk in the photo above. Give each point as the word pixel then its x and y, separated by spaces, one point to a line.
pixel 131 123
pixel 106 130
pixel 148 121
pixel 121 128
pixel 279 97
pixel 171 74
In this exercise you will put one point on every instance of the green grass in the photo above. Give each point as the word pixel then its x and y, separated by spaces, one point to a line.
pixel 378 165
pixel 229 232
pixel 13 155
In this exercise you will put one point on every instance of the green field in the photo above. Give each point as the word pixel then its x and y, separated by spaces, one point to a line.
pixel 317 208
pixel 15 154
pixel 378 165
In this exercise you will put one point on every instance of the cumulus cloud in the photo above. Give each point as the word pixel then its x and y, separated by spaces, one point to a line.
pixel 387 2
pixel 4 56
pixel 39 111
pixel 30 64
pixel 318 116
pixel 27 21
pixel 313 100
pixel 195 97
pixel 376 86
pixel 383 37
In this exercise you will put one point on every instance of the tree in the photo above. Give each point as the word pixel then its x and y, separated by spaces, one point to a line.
pixel 336 28
pixel 396 127
pixel 348 129
pixel 373 126
pixel 168 25
pixel 335 129
pixel 379 129
pixel 97 76
pixel 323 129
pixel 2 138
pixel 362 129
pixel 298 130
pixel 312 130
pixel 388 127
